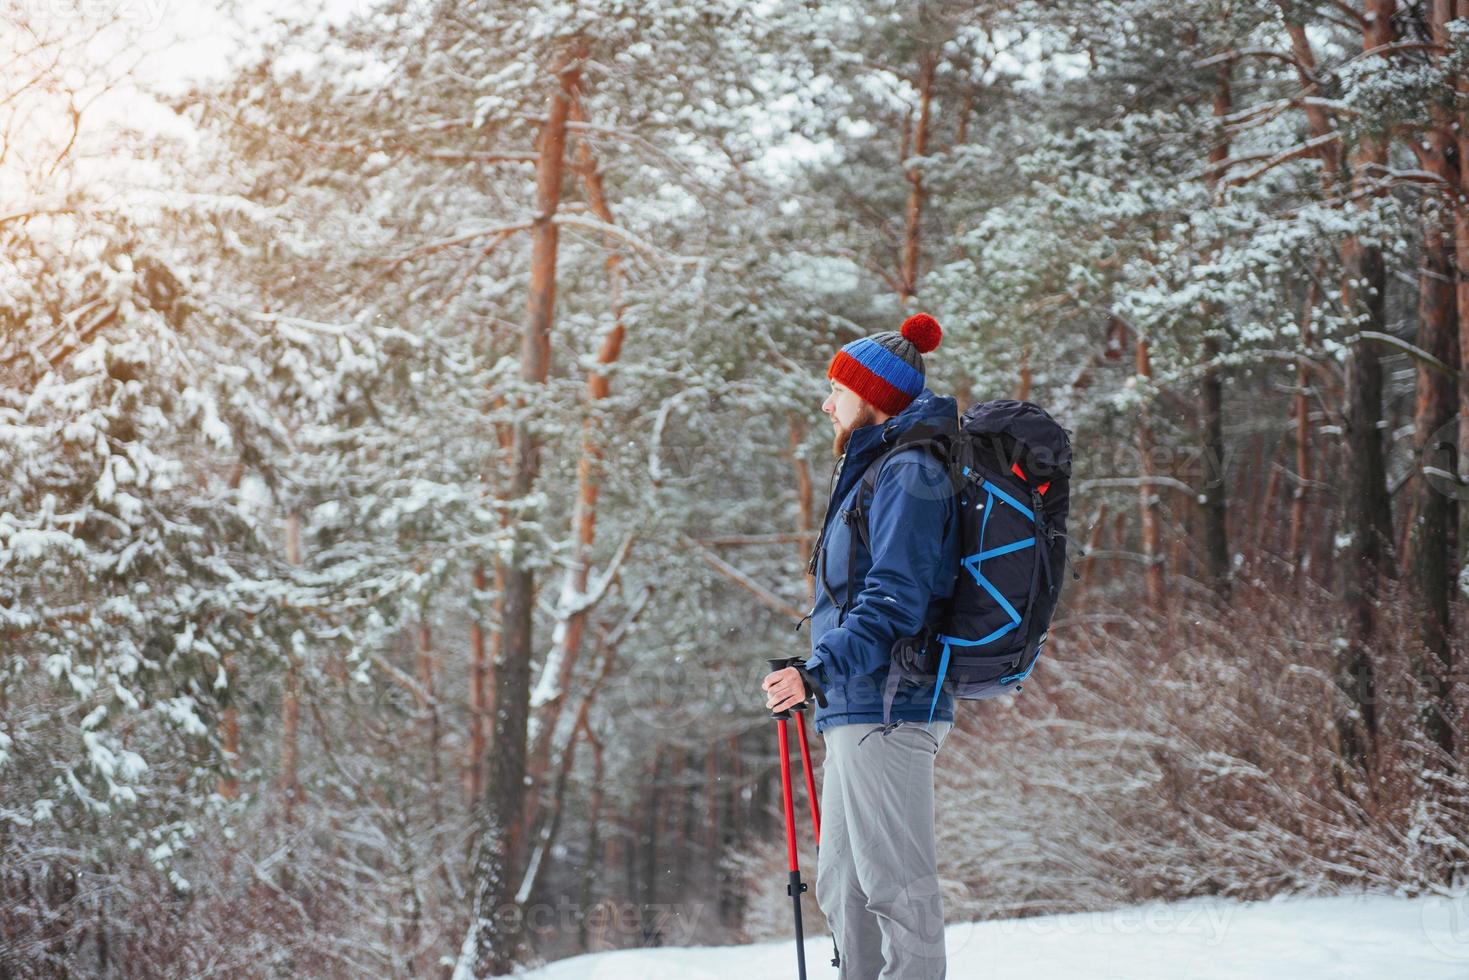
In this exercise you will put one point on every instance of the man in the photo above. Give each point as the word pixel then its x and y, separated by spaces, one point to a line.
pixel 877 877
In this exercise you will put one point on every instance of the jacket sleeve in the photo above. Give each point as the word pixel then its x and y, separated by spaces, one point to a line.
pixel 907 521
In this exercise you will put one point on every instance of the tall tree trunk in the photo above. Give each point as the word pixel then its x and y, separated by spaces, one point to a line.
pixel 1320 124
pixel 1304 469
pixel 1255 503
pixel 1077 594
pixel 676 826
pixel 290 781
pixel 963 393
pixel 1119 566
pixel 1428 549
pixel 484 656
pixel 229 733
pixel 650 824
pixel 550 823
pixel 229 715
pixel 1264 522
pixel 1211 393
pixel 731 831
pixel 594 866
pixel 564 660
pixel 479 673
pixel 1366 509
pixel 805 500
pixel 1461 300
pixel 428 706
pixel 501 827
pixel 1434 409
pixel 928 66
pixel 1148 497
pixel 708 837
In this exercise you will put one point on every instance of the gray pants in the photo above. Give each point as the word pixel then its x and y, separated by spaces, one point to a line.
pixel 877 871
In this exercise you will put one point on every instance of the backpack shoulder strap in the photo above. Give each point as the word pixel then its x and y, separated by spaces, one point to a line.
pixel 936 439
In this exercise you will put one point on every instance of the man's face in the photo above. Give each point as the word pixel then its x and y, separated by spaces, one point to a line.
pixel 847 412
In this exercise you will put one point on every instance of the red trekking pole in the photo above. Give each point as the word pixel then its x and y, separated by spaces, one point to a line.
pixel 796 886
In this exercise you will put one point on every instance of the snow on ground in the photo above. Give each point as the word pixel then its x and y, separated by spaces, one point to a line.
pixel 1291 938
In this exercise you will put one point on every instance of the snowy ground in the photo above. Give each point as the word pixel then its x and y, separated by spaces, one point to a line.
pixel 1295 938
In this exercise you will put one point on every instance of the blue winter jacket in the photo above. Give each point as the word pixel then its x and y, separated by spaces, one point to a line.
pixel 900 584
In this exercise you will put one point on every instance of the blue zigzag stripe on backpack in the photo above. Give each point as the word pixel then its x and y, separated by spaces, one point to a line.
pixel 1010 465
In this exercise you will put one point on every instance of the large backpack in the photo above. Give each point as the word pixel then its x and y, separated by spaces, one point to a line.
pixel 1009 463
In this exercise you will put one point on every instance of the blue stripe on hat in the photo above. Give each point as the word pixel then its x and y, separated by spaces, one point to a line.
pixel 886 365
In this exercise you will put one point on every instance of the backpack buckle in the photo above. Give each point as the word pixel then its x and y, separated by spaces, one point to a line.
pixel 910 652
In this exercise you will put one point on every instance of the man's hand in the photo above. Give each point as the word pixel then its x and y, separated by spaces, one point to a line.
pixel 784 689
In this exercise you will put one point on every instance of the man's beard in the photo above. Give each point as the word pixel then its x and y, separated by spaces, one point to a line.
pixel 865 416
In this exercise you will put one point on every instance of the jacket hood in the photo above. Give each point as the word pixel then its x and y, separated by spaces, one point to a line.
pixel 926 407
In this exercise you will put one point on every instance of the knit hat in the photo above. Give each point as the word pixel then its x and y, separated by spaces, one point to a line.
pixel 886 369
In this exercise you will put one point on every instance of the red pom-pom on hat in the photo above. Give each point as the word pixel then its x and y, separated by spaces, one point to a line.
pixel 922 331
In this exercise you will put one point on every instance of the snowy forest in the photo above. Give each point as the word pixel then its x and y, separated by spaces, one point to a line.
pixel 412 449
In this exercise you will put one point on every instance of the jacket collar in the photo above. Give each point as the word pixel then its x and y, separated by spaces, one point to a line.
pixel 867 443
